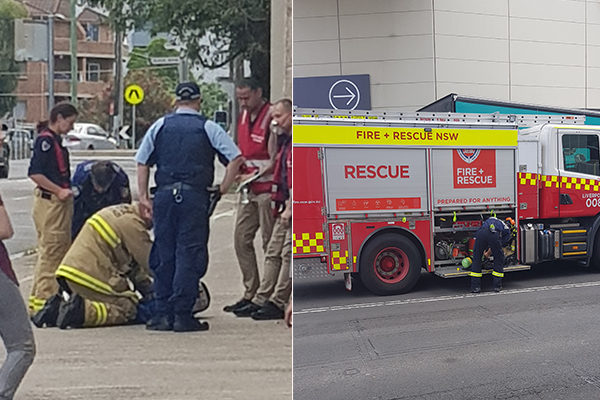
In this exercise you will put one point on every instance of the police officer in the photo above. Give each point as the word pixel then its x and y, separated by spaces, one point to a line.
pixel 52 203
pixel 183 146
pixel 97 184
pixel 493 235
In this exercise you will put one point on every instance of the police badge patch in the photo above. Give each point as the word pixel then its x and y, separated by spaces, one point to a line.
pixel 45 146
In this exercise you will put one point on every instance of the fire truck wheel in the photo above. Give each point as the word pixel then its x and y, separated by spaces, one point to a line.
pixel 595 261
pixel 390 264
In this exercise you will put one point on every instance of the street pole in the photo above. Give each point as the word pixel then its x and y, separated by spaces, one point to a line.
pixel 50 79
pixel 133 127
pixel 118 83
pixel 73 52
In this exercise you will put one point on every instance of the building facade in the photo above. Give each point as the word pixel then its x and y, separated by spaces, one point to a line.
pixel 95 60
pixel 416 51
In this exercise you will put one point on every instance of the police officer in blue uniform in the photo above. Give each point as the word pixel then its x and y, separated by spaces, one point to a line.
pixel 95 185
pixel 183 146
pixel 493 235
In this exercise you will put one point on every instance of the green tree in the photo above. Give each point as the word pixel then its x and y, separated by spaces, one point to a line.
pixel 233 28
pixel 140 59
pixel 9 11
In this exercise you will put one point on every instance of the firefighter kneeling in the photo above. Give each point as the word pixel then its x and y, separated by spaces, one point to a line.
pixel 493 236
pixel 105 273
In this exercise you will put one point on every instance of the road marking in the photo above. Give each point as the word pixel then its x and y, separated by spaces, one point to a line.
pixel 21 198
pixel 444 298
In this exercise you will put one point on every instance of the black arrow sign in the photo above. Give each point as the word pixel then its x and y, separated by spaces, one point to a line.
pixel 134 91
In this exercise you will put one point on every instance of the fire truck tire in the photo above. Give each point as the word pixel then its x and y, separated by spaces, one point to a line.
pixel 390 264
pixel 595 261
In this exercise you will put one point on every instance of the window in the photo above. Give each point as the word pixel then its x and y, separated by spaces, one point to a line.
pixel 22 69
pixel 580 154
pixel 93 72
pixel 91 32
pixel 20 110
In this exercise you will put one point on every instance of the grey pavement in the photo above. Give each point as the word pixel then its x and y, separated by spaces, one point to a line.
pixel 238 358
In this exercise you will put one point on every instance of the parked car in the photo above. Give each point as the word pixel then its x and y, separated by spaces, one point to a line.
pixel 89 137
pixel 20 142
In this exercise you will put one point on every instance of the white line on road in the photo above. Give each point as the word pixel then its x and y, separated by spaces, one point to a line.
pixel 444 298
pixel 21 198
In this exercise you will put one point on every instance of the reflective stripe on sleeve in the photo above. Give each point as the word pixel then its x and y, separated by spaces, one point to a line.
pixel 107 233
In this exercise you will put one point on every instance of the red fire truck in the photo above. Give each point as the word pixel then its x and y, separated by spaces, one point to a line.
pixel 385 195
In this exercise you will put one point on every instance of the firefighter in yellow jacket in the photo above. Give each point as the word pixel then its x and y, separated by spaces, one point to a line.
pixel 105 273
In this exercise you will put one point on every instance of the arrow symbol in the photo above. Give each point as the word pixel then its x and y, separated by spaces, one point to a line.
pixel 351 95
pixel 134 92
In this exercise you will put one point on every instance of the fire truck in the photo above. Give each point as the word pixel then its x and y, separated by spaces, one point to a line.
pixel 382 196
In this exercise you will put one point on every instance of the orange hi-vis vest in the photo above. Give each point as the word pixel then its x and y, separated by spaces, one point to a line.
pixel 253 138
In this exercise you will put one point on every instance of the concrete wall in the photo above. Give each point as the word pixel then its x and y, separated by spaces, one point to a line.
pixel 281 49
pixel 536 51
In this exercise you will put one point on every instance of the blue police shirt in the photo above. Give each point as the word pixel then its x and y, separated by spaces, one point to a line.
pixel 218 138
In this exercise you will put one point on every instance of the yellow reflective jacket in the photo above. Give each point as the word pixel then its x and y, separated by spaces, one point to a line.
pixel 110 254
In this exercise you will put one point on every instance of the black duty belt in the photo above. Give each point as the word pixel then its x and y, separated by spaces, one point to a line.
pixel 176 189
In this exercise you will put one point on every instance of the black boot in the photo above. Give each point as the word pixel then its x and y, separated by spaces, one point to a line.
pixel 71 313
pixel 160 322
pixel 247 310
pixel 497 284
pixel 187 323
pixel 48 314
pixel 475 285
pixel 267 312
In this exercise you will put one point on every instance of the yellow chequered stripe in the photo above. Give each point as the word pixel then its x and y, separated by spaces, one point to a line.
pixel 553 181
pixel 528 178
pixel 339 262
pixel 550 181
pixel 306 243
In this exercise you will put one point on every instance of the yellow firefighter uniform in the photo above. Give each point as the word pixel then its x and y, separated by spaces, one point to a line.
pixel 108 263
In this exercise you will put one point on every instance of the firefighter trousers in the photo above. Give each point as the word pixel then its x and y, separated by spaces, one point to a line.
pixel 276 284
pixel 52 218
pixel 104 309
pixel 485 238
pixel 250 217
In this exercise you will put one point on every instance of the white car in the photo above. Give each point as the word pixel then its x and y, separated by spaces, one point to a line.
pixel 89 137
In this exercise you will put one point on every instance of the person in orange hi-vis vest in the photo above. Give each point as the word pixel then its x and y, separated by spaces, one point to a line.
pixel 254 206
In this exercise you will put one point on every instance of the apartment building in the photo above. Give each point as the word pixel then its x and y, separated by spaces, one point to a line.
pixel 95 59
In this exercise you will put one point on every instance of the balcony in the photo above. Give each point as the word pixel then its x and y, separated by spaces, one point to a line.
pixel 84 89
pixel 85 48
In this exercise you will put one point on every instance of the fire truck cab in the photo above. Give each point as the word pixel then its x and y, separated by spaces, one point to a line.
pixel 386 195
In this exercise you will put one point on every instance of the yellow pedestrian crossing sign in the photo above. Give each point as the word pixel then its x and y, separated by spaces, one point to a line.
pixel 134 94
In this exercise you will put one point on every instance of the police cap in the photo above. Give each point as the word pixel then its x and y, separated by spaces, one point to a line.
pixel 187 91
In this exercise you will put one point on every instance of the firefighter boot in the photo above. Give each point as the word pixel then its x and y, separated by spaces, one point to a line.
pixel 497 284
pixel 48 314
pixel 475 285
pixel 71 313
pixel 160 322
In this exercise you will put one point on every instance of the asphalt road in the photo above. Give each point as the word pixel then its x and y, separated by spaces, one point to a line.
pixel 538 339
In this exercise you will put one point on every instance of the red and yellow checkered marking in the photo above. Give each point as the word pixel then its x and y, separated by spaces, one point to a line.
pixel 527 178
pixel 558 182
pixel 550 181
pixel 338 262
pixel 306 243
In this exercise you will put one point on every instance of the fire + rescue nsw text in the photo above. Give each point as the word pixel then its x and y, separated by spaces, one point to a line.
pixel 422 136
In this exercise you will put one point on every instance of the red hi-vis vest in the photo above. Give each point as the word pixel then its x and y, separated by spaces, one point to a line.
pixel 283 176
pixel 60 159
pixel 253 141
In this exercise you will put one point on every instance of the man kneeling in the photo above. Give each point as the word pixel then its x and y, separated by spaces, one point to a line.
pixel 105 273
